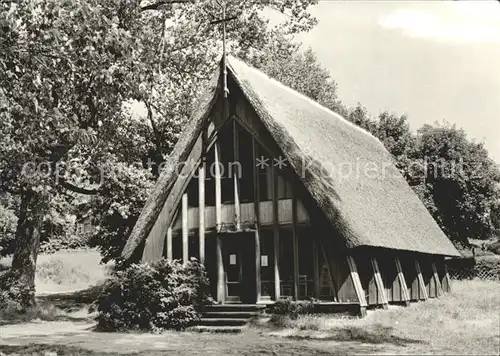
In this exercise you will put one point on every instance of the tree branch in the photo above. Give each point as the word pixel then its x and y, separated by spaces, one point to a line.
pixel 76 189
pixel 158 4
pixel 154 126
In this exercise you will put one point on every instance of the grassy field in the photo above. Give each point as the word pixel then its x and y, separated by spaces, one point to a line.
pixel 464 322
pixel 65 271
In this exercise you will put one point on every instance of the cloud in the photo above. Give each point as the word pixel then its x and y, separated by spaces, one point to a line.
pixel 456 22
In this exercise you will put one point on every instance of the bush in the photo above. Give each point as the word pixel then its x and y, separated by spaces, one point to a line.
pixel 161 295
pixel 13 295
pixel 489 264
pixel 495 248
pixel 292 309
pixel 69 242
pixel 8 222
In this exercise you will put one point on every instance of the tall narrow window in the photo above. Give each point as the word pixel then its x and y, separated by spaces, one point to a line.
pixel 247 165
pixel 226 159
pixel 265 176
pixel 306 264
pixel 210 178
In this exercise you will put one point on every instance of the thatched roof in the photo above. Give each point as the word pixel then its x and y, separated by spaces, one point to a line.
pixel 347 171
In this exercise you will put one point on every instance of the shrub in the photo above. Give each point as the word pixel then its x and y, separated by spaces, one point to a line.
pixel 488 264
pixel 13 294
pixel 161 295
pixel 8 222
pixel 66 242
pixel 292 309
pixel 495 248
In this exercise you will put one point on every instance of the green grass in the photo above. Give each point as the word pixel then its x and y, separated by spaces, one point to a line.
pixel 466 321
pixel 55 350
pixel 68 270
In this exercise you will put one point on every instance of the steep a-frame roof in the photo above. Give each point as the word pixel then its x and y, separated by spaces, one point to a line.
pixel 347 171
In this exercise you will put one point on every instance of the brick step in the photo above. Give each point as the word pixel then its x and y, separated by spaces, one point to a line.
pixel 217 329
pixel 232 314
pixel 223 321
pixel 235 308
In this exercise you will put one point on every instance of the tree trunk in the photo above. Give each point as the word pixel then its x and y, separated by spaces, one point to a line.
pixel 26 250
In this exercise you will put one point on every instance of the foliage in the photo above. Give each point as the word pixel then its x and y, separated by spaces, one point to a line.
pixel 460 180
pixel 161 295
pixel 122 196
pixel 8 221
pixel 13 294
pixel 300 70
pixel 495 247
pixel 490 263
pixel 291 308
pixel 68 242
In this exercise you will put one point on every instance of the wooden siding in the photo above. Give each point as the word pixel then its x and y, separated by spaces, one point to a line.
pixel 247 210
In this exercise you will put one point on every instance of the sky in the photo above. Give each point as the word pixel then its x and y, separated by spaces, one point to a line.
pixel 431 60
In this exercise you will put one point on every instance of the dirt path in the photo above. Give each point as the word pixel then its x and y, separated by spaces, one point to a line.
pixel 251 342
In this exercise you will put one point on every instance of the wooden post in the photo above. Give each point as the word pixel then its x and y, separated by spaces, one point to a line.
pixel 221 281
pixel 169 243
pixel 201 211
pixel 379 283
pixel 439 289
pixel 218 188
pixel 329 269
pixel 276 231
pixel 402 282
pixel 446 278
pixel 237 214
pixel 421 283
pixel 258 279
pixel 256 205
pixel 316 266
pixel 218 225
pixel 357 284
pixel 185 235
pixel 295 246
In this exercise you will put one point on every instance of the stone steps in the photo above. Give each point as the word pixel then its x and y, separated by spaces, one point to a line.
pixel 228 318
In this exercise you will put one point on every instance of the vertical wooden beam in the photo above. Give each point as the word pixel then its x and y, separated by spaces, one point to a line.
pixel 421 283
pixel 357 284
pixel 402 282
pixel 295 245
pixel 258 279
pixel 201 211
pixel 439 289
pixel 446 278
pixel 382 296
pixel 218 188
pixel 316 266
pixel 256 205
pixel 221 281
pixel 185 235
pixel 169 243
pixel 276 231
pixel 236 178
pixel 335 288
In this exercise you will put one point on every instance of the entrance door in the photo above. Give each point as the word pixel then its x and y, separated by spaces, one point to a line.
pixel 231 257
pixel 238 257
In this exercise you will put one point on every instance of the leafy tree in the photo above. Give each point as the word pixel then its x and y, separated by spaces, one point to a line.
pixel 301 71
pixel 65 69
pixel 359 116
pixel 68 69
pixel 460 182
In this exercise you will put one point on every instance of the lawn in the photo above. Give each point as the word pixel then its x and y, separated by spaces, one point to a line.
pixel 65 271
pixel 467 321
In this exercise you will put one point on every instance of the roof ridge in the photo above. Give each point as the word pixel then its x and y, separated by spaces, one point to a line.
pixel 311 101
